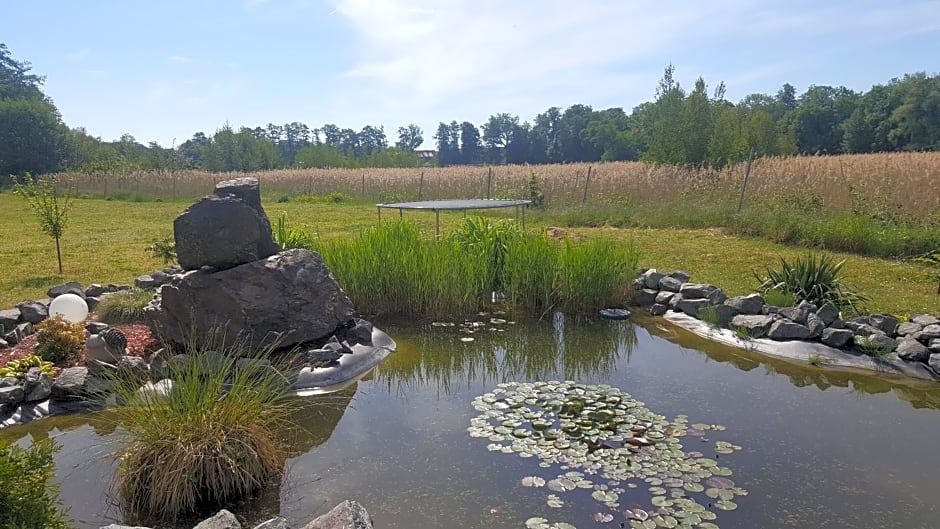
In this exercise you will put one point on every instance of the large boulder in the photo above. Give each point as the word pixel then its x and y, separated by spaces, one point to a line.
pixel 33 311
pixel 346 515
pixel 287 299
pixel 222 232
pixel 72 287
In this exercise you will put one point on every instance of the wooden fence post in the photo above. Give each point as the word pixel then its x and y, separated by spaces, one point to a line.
pixel 587 182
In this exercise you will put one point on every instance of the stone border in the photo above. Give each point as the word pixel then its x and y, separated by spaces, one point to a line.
pixel 910 349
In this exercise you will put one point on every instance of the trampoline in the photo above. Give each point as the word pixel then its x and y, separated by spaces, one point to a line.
pixel 460 204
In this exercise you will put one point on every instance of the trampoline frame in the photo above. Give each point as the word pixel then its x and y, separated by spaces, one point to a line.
pixel 457 204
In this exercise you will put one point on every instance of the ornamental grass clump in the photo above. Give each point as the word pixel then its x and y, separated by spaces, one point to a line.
pixel 215 437
pixel 815 279
pixel 124 306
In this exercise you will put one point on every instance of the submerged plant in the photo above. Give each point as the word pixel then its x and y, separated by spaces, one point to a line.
pixel 813 278
pixel 213 436
pixel 124 306
pixel 817 360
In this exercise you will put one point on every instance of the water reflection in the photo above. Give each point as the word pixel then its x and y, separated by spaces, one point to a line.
pixel 566 346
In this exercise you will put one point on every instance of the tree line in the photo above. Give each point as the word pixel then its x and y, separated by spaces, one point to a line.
pixel 684 127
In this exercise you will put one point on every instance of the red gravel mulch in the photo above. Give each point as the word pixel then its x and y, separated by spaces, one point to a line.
pixel 140 342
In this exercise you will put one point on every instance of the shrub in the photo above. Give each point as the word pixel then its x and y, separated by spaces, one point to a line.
pixel 218 436
pixel 28 498
pixel 50 204
pixel 164 249
pixel 18 368
pixel 58 340
pixel 814 279
pixel 124 306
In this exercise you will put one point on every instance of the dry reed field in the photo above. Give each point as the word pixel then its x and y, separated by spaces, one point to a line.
pixel 902 182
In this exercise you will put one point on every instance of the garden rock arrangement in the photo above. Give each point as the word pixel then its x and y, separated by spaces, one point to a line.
pixel 235 279
pixel 912 347
pixel 347 515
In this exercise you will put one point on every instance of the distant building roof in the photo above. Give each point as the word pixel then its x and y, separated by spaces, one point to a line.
pixel 426 154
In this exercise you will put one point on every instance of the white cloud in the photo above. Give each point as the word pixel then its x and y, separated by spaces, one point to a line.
pixel 180 59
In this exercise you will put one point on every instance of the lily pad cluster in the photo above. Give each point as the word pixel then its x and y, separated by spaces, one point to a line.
pixel 494 323
pixel 610 446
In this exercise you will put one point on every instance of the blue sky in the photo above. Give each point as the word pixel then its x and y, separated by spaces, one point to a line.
pixel 166 69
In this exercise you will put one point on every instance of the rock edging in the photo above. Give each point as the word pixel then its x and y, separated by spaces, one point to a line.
pixel 347 515
pixel 911 348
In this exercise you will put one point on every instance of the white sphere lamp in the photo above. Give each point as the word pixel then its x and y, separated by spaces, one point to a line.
pixel 70 306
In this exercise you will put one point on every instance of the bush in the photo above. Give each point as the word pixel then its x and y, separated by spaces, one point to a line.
pixel 28 498
pixel 217 437
pixel 19 368
pixel 814 279
pixel 164 249
pixel 58 340
pixel 124 306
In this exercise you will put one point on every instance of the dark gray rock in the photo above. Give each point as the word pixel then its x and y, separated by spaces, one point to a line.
pixel 10 398
pixel 788 330
pixel 757 325
pixel 925 319
pixel 72 287
pixel 9 382
pixel 862 329
pixel 360 333
pixel 934 362
pixel 670 284
pixel 33 311
pixel 346 515
pixel 697 290
pixel 651 278
pixel 274 523
pixel 679 275
pixel 288 299
pixel 887 324
pixel 929 332
pixel 11 338
pixel 815 326
pixel 221 233
pixel 908 328
pixel 37 386
pixel 658 309
pixel 3 343
pixel 674 302
pixel 717 297
pixel 725 313
pixel 693 306
pixel 837 338
pixel 828 313
pixel 615 314
pixel 770 309
pixel 799 313
pixel 934 345
pixel 94 290
pixel 134 368
pixel 146 282
pixel 76 383
pixel 750 304
pixel 8 319
pixel 836 323
pixel 18 333
pixel 644 297
pixel 878 341
pixel 663 297
pixel 92 303
pixel 913 351
pixel 222 520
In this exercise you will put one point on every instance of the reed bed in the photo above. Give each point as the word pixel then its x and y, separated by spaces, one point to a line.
pixel 900 182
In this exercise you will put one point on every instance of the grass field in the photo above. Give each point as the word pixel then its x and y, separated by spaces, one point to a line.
pixel 105 243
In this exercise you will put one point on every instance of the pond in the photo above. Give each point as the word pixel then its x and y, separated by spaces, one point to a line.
pixel 819 448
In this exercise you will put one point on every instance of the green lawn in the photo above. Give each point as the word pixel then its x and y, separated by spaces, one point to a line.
pixel 105 241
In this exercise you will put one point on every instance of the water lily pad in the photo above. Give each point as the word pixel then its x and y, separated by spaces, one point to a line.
pixel 726 505
pixel 554 501
pixel 605 496
pixel 536 523
pixel 719 483
pixel 533 481
pixel 561 485
pixel 603 517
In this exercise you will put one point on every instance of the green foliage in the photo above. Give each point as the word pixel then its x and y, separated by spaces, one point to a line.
pixel 217 437
pixel 164 249
pixel 28 496
pixel 491 239
pixel 745 334
pixel 59 340
pixel 288 237
pixel 123 306
pixel 50 204
pixel 779 298
pixel 710 316
pixel 812 278
pixel 872 348
pixel 596 273
pixel 19 368
pixel 535 192
pixel 817 360
pixel 931 259
pixel 333 197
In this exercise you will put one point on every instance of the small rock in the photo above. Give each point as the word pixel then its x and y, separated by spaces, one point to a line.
pixel 134 367
pixel 717 297
pixel 913 351
pixel 815 326
pixel 679 275
pixel 697 290
pixel 94 290
pixel 887 324
pixel 644 297
pixel 934 345
pixel 8 382
pixel 346 515
pixel 928 333
pixel 755 324
pixel 674 302
pixel 8 319
pixel 879 341
pixel 750 304
pixel 75 383
pixel 664 296
pixel 651 278
pixel 788 330
pixel 222 520
pixel 10 398
pixel 33 311
pixel 92 303
pixel 908 328
pixel 798 313
pixel 693 306
pixel 72 287
pixel 836 323
pixel 658 309
pixel 828 313
pixel 925 319
pixel 670 284
pixel 615 314
pixel 95 327
pixel 837 338
pixel 934 362
pixel 37 386
pixel 146 282
pixel 361 333
pixel 862 329
pixel 3 343
pixel 274 523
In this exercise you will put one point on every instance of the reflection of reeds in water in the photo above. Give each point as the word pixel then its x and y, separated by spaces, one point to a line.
pixel 526 351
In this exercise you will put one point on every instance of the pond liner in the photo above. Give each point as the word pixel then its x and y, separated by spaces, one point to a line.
pixel 347 369
pixel 801 351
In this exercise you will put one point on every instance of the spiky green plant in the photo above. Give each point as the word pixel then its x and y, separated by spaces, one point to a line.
pixel 813 278
pixel 216 437
pixel 124 306
pixel 288 237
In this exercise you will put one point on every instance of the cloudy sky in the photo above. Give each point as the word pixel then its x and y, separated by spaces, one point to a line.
pixel 164 70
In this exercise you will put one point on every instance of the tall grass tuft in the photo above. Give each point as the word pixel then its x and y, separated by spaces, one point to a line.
pixel 596 273
pixel 215 438
pixel 815 279
pixel 124 306
pixel 288 237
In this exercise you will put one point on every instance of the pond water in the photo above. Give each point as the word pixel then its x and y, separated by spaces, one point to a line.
pixel 819 448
